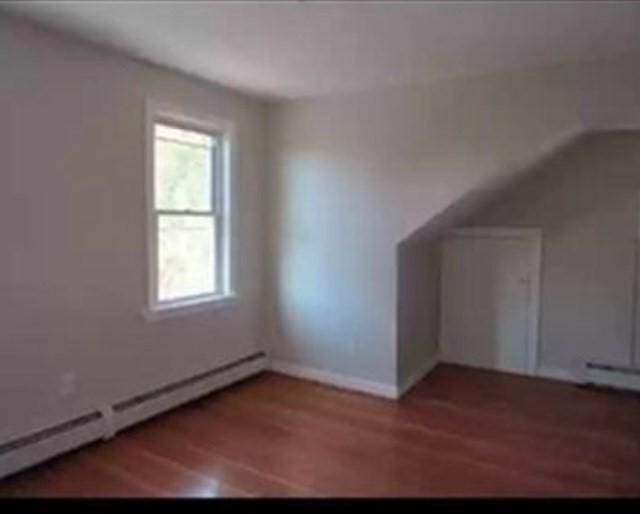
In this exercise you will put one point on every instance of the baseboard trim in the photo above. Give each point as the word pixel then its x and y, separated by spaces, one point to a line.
pixel 57 440
pixel 560 374
pixel 613 378
pixel 418 375
pixel 335 379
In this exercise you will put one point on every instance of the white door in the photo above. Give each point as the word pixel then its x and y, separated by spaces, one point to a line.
pixel 488 286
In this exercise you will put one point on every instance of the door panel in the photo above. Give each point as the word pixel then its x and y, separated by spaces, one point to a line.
pixel 486 289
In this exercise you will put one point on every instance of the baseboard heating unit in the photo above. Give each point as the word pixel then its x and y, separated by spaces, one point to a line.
pixel 107 420
pixel 617 377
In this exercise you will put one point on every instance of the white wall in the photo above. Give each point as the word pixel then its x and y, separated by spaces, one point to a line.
pixel 354 175
pixel 418 309
pixel 587 202
pixel 72 220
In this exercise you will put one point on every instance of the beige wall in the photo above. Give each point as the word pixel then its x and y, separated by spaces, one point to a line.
pixel 72 219
pixel 587 202
pixel 355 175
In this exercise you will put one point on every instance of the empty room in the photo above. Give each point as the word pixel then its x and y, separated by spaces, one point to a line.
pixel 319 249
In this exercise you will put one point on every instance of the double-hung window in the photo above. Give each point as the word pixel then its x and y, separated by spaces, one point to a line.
pixel 188 215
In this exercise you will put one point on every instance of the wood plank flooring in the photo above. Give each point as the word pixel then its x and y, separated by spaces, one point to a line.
pixel 459 432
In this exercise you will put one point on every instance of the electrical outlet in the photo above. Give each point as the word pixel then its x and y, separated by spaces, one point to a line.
pixel 67 384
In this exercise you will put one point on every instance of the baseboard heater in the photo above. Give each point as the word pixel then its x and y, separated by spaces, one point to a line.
pixel 617 377
pixel 107 420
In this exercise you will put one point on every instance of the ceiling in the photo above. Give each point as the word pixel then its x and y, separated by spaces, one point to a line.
pixel 305 48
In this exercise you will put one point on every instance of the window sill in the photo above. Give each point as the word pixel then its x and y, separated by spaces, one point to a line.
pixel 189 306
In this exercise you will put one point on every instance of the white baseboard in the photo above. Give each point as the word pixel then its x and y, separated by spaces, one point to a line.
pixel 596 376
pixel 335 379
pixel 418 374
pixel 550 372
pixel 163 403
pixel 560 374
pixel 615 379
pixel 110 418
pixel 41 451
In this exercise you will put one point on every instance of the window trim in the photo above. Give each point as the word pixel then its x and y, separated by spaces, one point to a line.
pixel 221 211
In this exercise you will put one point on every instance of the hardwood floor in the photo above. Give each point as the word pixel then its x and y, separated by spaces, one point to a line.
pixel 460 432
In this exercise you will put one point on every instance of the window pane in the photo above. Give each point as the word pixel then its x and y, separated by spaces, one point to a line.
pixel 182 173
pixel 186 256
pixel 184 136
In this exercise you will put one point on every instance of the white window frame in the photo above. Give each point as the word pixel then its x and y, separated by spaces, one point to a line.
pixel 222 202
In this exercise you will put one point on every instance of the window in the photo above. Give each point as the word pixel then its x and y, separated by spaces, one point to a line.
pixel 188 214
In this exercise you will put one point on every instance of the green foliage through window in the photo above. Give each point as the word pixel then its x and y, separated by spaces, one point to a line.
pixel 184 164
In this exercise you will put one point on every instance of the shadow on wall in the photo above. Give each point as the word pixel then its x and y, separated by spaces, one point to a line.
pixel 586 203
pixel 418 261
